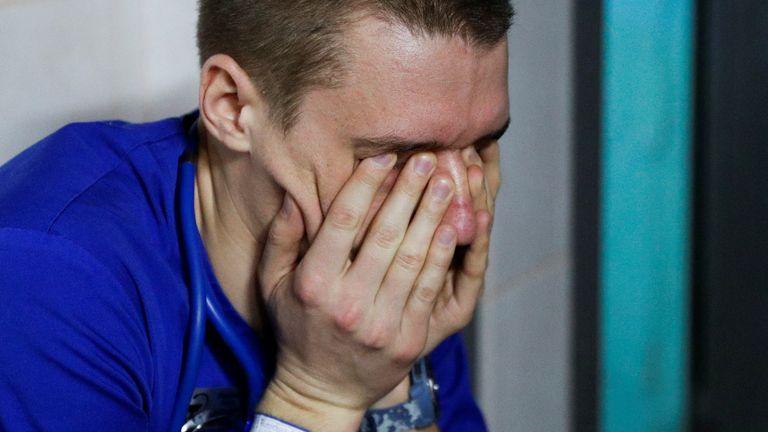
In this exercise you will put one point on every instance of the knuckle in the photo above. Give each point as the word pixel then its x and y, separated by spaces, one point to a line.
pixel 348 318
pixel 275 235
pixel 426 293
pixel 411 187
pixel 434 211
pixel 308 288
pixel 344 218
pixel 307 295
pixel 477 267
pixel 377 337
pixel 370 178
pixel 387 235
pixel 476 272
pixel 439 261
pixel 410 260
pixel 407 354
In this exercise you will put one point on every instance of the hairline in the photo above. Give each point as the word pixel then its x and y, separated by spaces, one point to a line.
pixel 341 55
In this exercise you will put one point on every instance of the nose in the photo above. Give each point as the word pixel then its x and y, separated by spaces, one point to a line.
pixel 460 213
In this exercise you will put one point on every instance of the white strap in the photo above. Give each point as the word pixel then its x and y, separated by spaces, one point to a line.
pixel 265 423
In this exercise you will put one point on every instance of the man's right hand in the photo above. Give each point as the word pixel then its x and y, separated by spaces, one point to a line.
pixel 349 330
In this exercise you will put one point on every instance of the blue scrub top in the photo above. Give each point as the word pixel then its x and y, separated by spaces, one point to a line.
pixel 94 300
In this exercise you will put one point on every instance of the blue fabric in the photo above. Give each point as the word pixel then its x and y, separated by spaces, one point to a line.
pixel 93 291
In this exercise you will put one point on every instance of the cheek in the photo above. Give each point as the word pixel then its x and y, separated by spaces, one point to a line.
pixel 330 180
pixel 320 193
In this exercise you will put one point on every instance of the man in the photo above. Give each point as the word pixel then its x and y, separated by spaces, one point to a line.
pixel 347 166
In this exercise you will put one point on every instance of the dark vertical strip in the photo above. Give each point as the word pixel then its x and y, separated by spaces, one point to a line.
pixel 730 383
pixel 586 212
pixel 700 204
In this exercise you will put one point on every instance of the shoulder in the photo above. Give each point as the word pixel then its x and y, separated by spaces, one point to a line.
pixel 108 187
pixel 38 184
pixel 87 221
pixel 95 299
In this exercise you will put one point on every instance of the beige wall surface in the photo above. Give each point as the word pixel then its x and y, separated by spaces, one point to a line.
pixel 75 60
pixel 524 318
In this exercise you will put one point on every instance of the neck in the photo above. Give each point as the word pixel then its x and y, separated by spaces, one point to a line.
pixel 232 232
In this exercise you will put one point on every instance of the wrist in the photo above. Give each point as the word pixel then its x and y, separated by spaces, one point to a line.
pixel 282 402
pixel 397 396
pixel 418 412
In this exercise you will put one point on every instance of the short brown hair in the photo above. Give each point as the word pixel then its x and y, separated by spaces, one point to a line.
pixel 291 46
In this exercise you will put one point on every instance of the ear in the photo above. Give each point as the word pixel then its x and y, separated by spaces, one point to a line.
pixel 227 96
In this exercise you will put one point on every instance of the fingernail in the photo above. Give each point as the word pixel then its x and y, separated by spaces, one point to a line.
pixel 474 158
pixel 441 190
pixel 423 165
pixel 471 156
pixel 446 236
pixel 383 160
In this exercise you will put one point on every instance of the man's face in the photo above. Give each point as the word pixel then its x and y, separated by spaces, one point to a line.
pixel 400 94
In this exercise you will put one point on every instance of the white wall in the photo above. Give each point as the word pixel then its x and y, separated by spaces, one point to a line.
pixel 524 334
pixel 70 60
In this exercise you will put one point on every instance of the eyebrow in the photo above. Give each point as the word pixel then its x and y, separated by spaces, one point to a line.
pixel 372 146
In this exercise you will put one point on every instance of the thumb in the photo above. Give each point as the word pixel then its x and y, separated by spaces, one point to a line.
pixel 283 244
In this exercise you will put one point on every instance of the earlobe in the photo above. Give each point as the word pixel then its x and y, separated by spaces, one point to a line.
pixel 226 94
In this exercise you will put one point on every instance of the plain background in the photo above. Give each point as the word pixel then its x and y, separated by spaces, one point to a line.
pixel 79 60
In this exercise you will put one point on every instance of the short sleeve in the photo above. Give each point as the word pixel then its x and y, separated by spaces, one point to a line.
pixel 458 410
pixel 73 344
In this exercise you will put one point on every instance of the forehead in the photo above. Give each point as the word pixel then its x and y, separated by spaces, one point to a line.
pixel 419 87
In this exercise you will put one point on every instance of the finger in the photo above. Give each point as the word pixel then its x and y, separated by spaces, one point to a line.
pixel 335 240
pixel 482 198
pixel 490 200
pixel 471 157
pixel 283 244
pixel 471 276
pixel 390 224
pixel 429 284
pixel 491 156
pixel 477 190
pixel 410 258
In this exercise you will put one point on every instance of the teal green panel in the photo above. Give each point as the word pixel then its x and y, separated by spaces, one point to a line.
pixel 646 135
